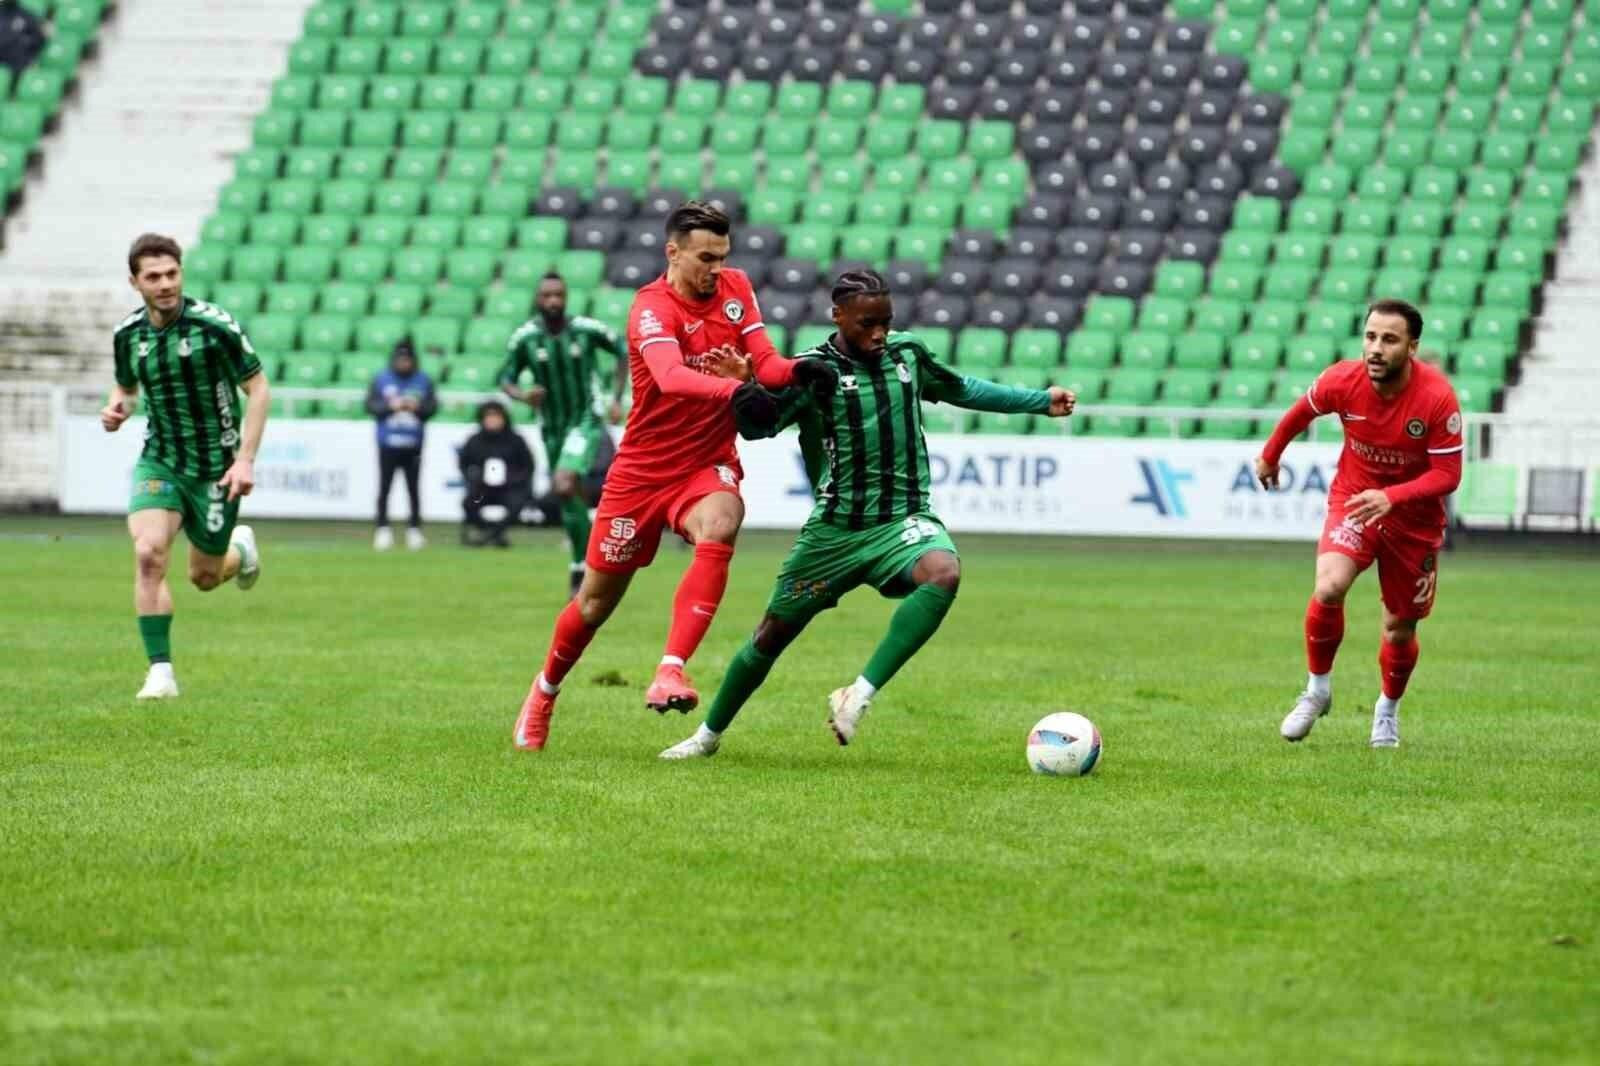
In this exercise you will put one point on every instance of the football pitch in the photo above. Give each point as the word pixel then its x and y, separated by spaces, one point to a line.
pixel 327 851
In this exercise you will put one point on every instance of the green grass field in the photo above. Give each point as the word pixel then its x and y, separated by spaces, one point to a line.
pixel 327 851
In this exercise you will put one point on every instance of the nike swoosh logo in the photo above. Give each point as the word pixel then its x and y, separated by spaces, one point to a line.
pixel 691 327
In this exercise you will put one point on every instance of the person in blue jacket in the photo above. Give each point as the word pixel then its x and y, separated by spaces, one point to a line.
pixel 402 399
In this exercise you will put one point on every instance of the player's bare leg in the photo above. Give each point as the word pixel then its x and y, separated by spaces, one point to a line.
pixel 576 626
pixel 712 525
pixel 1397 657
pixel 207 572
pixel 153 532
pixel 1324 630
pixel 749 668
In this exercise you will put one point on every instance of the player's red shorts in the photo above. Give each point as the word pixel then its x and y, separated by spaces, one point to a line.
pixel 629 521
pixel 1407 556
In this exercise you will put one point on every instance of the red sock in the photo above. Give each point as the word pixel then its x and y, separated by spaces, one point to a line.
pixel 1396 661
pixel 1324 631
pixel 698 595
pixel 572 635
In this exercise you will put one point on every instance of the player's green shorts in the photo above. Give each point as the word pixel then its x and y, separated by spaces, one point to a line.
pixel 575 450
pixel 208 517
pixel 826 562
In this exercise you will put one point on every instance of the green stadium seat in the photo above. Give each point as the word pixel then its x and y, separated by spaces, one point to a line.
pixel 938 418
pixel 342 298
pixel 1145 350
pixel 311 265
pixel 851 99
pixel 240 297
pixel 1035 348
pixel 309 370
pixel 1087 384
pixel 1091 349
pixel 1198 350
pixel 275 332
pixel 1163 314
pixel 1255 352
pixel 255 263
pixel 1218 314
pixel 1133 387
pixel 980 348
pixel 1488 490
pixel 1179 280
pixel 1310 352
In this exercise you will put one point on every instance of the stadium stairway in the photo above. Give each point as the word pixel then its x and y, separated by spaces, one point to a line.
pixel 158 119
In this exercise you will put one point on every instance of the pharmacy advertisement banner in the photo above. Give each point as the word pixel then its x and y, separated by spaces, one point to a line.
pixel 981 483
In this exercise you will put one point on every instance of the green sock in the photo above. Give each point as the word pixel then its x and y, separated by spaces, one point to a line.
pixel 745 674
pixel 156 632
pixel 575 517
pixel 913 623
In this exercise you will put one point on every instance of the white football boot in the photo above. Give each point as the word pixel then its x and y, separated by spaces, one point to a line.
pixel 414 539
pixel 244 538
pixel 1385 728
pixel 382 539
pixel 845 711
pixel 159 683
pixel 702 745
pixel 1307 709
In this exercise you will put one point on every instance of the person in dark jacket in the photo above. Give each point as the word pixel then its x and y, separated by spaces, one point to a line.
pixel 498 469
pixel 402 399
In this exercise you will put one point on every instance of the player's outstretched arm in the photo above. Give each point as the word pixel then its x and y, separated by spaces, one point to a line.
pixel 1294 422
pixel 240 477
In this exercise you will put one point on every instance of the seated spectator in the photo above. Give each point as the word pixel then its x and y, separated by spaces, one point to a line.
pixel 498 469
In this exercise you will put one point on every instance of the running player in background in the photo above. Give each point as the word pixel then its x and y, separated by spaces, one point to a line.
pixel 560 355
pixel 872 523
pixel 677 467
pixel 189 358
pixel 1401 458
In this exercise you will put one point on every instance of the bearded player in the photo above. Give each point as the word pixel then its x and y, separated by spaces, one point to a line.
pixel 1401 458
pixel 692 333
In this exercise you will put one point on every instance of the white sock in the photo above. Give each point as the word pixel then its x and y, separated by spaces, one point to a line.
pixel 575 568
pixel 702 733
pixel 546 687
pixel 671 660
pixel 1386 707
pixel 161 669
pixel 1319 684
pixel 863 688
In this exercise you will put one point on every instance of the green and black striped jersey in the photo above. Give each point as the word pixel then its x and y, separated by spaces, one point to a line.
pixel 189 374
pixel 866 439
pixel 565 365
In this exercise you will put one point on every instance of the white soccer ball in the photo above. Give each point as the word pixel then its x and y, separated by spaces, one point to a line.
pixel 1063 744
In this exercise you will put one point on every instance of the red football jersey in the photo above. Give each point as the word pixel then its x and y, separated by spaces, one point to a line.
pixel 1387 441
pixel 669 437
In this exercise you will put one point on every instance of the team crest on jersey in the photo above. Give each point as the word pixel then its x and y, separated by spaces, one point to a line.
pixel 1453 423
pixel 541 355
pixel 183 348
pixel 1416 428
pixel 144 349
pixel 734 310
pixel 903 372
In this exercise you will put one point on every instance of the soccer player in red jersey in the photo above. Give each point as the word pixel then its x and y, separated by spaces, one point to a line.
pixel 1401 458
pixel 697 352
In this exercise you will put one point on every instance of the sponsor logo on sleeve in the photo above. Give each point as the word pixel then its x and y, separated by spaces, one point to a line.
pixel 649 324
pixel 1452 425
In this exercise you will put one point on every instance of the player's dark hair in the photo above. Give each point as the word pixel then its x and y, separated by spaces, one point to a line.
pixel 552 275
pixel 696 214
pixel 152 244
pixel 853 283
pixel 1406 311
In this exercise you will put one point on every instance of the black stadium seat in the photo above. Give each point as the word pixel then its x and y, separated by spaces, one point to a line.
pixel 974 243
pixel 1053 312
pixel 942 309
pixel 961 274
pixel 1014 276
pixel 793 275
pixel 997 311
pixel 1081 243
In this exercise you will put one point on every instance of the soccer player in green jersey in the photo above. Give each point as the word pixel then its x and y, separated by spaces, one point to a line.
pixel 189 359
pixel 872 523
pixel 560 354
